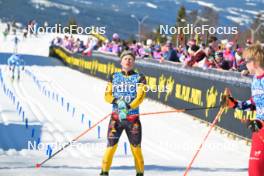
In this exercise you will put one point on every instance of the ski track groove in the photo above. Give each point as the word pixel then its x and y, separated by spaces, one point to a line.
pixel 60 131
pixel 54 84
pixel 37 111
pixel 53 88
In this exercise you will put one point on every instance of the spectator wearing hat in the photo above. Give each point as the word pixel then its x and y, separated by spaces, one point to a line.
pixel 157 53
pixel 220 62
pixel 229 55
pixel 116 45
pixel 171 54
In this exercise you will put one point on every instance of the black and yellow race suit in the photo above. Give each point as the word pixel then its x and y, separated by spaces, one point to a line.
pixel 130 87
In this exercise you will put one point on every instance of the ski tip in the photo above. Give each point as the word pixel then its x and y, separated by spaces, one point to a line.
pixel 38 165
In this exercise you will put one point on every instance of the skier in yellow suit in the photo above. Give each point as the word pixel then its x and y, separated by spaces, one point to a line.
pixel 125 91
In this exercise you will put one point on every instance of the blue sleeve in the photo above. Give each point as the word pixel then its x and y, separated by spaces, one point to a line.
pixel 22 63
pixel 248 105
pixel 10 60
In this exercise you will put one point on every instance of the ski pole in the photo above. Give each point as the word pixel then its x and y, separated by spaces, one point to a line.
pixel 223 106
pixel 38 165
pixel 205 138
pixel 175 111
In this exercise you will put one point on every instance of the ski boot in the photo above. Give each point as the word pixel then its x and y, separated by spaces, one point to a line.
pixel 140 174
pixel 104 173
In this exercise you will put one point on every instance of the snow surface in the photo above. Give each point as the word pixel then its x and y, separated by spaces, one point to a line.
pixel 169 140
pixel 206 4
pixel 151 5
pixel 48 4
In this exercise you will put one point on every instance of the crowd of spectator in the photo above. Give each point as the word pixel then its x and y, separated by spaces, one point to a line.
pixel 223 55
